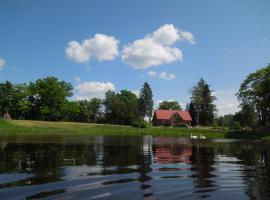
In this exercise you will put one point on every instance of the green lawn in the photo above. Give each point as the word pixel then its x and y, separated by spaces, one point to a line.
pixel 25 128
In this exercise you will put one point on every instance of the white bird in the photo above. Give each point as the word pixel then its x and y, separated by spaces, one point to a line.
pixel 193 136
pixel 202 137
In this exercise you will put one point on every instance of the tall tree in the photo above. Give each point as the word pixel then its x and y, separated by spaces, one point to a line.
pixel 169 105
pixel 255 91
pixel 246 116
pixel 203 102
pixel 48 97
pixel 192 113
pixel 6 94
pixel 121 108
pixel 146 101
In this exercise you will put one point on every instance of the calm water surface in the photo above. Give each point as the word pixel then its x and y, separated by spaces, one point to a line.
pixel 134 167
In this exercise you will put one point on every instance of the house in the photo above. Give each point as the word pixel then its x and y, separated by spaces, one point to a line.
pixel 171 118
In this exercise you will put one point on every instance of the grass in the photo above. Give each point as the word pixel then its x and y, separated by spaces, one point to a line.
pixel 28 127
pixel 42 129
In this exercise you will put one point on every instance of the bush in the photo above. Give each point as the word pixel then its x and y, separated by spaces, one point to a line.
pixel 236 126
pixel 139 124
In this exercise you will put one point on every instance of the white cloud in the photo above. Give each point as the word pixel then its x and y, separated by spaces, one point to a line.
pixel 188 36
pixel 156 48
pixel 227 102
pixel 161 75
pixel 77 79
pixel 101 47
pixel 136 92
pixel 167 76
pixel 2 63
pixel 88 90
pixel 152 73
pixel 145 53
pixel 166 35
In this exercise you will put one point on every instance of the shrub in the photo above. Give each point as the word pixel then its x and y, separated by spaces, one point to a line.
pixel 236 126
pixel 139 124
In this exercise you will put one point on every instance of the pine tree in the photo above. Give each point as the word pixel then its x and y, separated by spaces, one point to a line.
pixel 203 102
pixel 146 101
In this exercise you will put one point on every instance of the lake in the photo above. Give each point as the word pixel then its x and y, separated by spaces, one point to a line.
pixel 133 167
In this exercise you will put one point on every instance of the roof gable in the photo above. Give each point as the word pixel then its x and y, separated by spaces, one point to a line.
pixel 167 114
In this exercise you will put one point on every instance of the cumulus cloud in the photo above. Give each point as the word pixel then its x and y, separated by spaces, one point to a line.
pixel 156 48
pixel 152 73
pixel 88 90
pixel 162 75
pixel 2 63
pixel 167 76
pixel 166 35
pixel 101 47
pixel 188 36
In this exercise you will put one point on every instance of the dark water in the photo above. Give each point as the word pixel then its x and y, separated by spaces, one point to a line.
pixel 134 167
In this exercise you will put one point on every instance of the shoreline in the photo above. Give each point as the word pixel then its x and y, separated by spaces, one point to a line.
pixel 41 129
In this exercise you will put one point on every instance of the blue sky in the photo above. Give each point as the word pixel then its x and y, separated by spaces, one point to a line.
pixel 121 44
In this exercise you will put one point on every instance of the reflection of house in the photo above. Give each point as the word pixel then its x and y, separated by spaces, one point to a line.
pixel 168 150
pixel 163 155
pixel 171 118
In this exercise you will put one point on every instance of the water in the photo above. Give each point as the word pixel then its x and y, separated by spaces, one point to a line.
pixel 134 167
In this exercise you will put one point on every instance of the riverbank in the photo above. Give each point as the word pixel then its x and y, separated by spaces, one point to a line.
pixel 47 129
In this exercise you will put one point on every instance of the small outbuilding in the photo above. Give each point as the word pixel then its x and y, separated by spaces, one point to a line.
pixel 171 118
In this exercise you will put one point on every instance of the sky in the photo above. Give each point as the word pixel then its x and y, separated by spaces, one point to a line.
pixel 101 45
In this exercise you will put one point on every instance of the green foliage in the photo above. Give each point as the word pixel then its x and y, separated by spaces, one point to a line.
pixel 146 101
pixel 225 121
pixel 246 116
pixel 48 97
pixel 236 126
pixel 139 124
pixel 203 102
pixel 169 105
pixel 121 108
pixel 193 113
pixel 6 93
pixel 255 91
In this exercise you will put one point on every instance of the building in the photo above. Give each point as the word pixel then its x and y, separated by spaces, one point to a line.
pixel 171 118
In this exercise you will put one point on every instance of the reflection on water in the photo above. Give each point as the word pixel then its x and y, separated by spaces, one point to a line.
pixel 134 167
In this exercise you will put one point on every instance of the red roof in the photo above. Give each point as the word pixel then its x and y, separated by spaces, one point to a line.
pixel 167 114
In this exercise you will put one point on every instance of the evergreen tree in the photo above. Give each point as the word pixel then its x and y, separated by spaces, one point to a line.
pixel 192 113
pixel 203 102
pixel 146 101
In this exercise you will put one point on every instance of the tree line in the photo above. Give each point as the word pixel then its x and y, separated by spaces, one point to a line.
pixel 50 99
pixel 254 98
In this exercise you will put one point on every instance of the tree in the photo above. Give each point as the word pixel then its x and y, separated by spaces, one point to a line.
pixel 6 94
pixel 255 91
pixel 146 101
pixel 121 108
pixel 203 102
pixel 169 105
pixel 20 100
pixel 246 116
pixel 48 97
pixel 193 113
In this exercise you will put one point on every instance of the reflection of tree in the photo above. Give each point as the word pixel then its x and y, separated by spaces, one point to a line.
pixel 44 161
pixel 256 160
pixel 126 155
pixel 203 160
